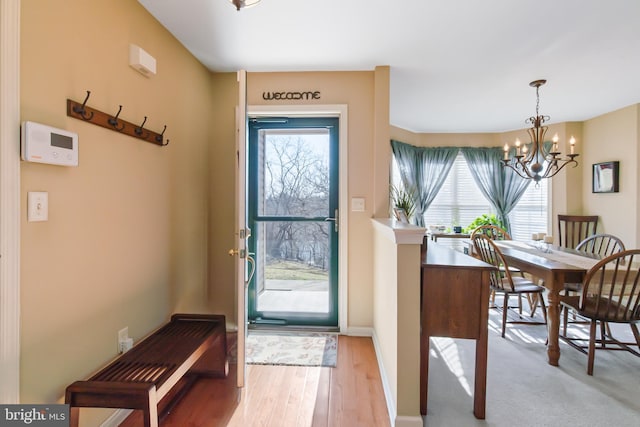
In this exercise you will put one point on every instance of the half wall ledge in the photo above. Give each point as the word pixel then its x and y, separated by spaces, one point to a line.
pixel 398 232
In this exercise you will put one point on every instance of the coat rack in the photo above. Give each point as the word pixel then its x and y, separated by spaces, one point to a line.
pixel 83 112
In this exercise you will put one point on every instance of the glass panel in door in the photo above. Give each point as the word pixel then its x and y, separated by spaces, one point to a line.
pixel 293 198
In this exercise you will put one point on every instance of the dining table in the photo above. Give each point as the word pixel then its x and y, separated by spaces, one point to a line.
pixel 435 235
pixel 555 266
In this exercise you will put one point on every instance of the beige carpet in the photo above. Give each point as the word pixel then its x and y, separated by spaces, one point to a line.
pixel 524 390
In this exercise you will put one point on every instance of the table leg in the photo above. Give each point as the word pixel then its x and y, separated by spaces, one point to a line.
pixel 553 319
pixel 480 383
pixel 480 386
pixel 74 416
pixel 424 371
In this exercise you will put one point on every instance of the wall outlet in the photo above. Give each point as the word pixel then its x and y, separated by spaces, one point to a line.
pixel 123 336
pixel 126 345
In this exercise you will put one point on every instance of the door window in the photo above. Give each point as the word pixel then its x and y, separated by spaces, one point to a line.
pixel 293 197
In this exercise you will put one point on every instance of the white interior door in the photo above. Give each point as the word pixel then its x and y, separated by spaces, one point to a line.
pixel 241 230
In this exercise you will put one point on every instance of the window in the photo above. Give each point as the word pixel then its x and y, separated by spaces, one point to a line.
pixel 460 201
pixel 530 214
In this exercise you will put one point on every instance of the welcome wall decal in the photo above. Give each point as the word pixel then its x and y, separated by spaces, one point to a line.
pixel 275 96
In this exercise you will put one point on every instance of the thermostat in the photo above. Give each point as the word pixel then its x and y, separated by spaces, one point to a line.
pixel 45 144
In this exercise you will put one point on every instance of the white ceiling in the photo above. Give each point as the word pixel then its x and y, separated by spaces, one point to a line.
pixel 456 65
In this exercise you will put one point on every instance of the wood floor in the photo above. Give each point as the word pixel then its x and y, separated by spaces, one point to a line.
pixel 348 395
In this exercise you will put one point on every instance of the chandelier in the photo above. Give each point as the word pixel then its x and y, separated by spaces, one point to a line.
pixel 243 4
pixel 538 162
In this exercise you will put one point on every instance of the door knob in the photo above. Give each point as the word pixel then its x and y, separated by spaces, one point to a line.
pixel 241 252
pixel 334 219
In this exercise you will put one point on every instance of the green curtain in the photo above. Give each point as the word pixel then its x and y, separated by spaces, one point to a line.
pixel 500 185
pixel 423 171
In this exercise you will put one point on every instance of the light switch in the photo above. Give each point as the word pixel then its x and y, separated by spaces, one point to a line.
pixel 37 206
pixel 357 204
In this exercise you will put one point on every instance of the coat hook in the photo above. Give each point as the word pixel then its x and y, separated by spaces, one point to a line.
pixel 159 137
pixel 139 130
pixel 80 110
pixel 113 121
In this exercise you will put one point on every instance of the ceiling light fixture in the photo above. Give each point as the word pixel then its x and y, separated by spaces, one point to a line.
pixel 538 162
pixel 243 4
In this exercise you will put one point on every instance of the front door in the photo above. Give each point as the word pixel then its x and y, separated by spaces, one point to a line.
pixel 293 215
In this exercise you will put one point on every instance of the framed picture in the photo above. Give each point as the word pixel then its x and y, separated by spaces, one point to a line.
pixel 401 215
pixel 606 177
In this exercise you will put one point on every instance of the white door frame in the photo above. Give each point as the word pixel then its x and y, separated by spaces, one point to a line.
pixel 340 111
pixel 10 201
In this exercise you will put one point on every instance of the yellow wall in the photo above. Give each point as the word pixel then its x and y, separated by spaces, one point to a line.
pixel 447 139
pixel 610 137
pixel 408 256
pixel 385 309
pixel 126 240
pixel 382 148
pixel 356 90
pixel 396 323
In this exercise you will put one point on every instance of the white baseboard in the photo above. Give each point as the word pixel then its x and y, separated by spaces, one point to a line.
pixel 404 421
pixel 359 332
pixel 118 416
pixel 391 404
pixel 396 421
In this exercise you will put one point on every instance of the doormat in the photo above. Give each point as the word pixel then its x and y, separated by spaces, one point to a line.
pixel 292 348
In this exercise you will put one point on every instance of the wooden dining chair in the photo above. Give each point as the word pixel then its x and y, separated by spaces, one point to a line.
pixel 573 229
pixel 503 282
pixel 597 244
pixel 602 245
pixel 496 233
pixel 610 294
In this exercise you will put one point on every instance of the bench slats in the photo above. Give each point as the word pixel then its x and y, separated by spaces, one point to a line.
pixel 134 372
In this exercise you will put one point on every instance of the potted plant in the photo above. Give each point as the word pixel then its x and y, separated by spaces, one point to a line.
pixel 403 199
pixel 484 219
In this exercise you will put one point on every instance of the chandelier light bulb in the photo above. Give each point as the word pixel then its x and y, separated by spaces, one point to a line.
pixel 555 143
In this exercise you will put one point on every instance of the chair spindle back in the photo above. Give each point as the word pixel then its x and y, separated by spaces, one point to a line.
pixel 611 288
pixel 601 244
pixel 488 252
pixel 572 229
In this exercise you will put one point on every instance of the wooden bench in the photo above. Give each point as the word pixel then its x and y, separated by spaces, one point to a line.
pixel 190 345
